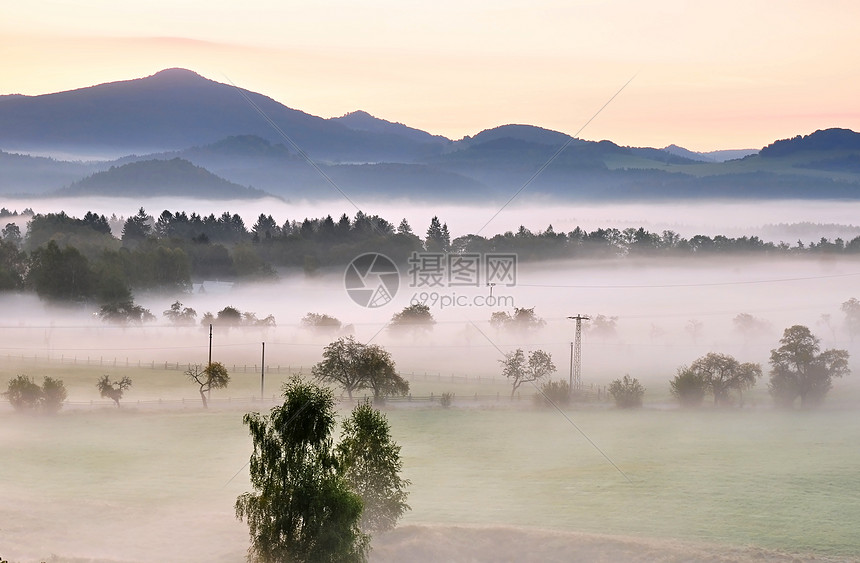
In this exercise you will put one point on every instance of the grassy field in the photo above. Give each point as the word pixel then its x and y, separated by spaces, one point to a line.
pixel 143 484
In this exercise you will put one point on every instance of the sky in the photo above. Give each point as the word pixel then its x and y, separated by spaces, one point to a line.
pixel 705 75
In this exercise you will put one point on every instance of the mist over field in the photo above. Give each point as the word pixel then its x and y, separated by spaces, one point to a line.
pixel 493 478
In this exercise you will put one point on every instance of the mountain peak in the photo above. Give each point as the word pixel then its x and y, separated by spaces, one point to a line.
pixel 176 72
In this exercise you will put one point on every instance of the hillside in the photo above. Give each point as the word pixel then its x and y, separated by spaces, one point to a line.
pixel 175 177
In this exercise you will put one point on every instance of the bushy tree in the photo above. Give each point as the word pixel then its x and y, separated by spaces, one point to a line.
pixel 320 322
pixel 416 318
pixel 519 369
pixel 213 376
pixel 25 395
pixel 355 366
pixel 113 390
pixel 302 509
pixel 179 315
pixel 126 312
pixel 53 395
pixel 57 273
pixel 627 392
pixel 229 316
pixel 800 370
pixel 722 374
pixel 689 387
pixel 380 374
pixel 340 365
pixel 371 464
pixel 523 319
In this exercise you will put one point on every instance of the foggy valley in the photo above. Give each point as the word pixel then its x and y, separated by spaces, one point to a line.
pixel 138 482
pixel 235 330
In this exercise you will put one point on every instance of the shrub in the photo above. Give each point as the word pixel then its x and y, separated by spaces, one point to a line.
pixel 688 387
pixel 53 395
pixel 553 392
pixel 23 393
pixel 446 400
pixel 627 392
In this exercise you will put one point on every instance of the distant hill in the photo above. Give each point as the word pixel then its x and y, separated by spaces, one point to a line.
pixel 526 133
pixel 22 175
pixel 363 121
pixel 712 156
pixel 821 140
pixel 175 177
pixel 179 133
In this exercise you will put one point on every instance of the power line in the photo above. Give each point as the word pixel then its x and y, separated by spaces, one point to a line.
pixel 673 285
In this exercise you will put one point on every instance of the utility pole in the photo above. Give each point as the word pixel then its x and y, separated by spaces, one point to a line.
pixel 576 354
pixel 263 371
pixel 209 365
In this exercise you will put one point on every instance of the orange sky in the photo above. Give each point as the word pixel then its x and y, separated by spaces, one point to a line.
pixel 708 75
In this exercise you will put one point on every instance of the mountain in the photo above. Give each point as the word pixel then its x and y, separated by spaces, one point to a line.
pixel 175 109
pixel 175 177
pixel 181 134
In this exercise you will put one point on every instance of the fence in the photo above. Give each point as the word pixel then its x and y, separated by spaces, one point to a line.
pixel 101 361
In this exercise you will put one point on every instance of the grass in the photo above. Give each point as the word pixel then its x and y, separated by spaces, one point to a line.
pixel 133 484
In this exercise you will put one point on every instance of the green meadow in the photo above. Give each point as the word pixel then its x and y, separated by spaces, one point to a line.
pixel 157 482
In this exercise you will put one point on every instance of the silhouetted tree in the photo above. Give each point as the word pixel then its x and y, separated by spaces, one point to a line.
pixel 113 390
pixel 181 316
pixel 320 322
pixel 799 369
pixel 723 373
pixel 213 376
pixel 518 369
pixel 415 318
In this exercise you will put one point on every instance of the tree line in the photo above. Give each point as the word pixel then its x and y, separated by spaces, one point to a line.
pixel 63 257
